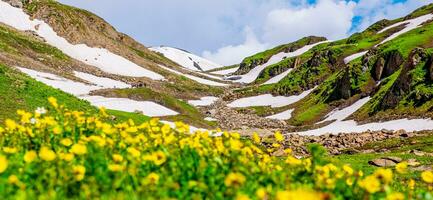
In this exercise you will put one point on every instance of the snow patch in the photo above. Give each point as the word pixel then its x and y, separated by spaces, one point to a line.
pixel 226 71
pixel 410 25
pixel 268 100
pixel 278 77
pixel 204 101
pixel 351 126
pixel 210 119
pixel 148 108
pixel 98 57
pixel 252 75
pixel 82 90
pixel 283 115
pixel 344 113
pixel 100 81
pixel 350 58
pixel 195 78
pixel 185 59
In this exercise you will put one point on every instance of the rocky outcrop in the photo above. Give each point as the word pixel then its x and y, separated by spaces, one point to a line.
pixel 343 87
pixel 15 3
pixel 402 85
pixel 386 65
pixel 430 67
pixel 230 119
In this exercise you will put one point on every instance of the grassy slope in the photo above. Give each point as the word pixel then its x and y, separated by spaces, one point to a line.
pixel 19 91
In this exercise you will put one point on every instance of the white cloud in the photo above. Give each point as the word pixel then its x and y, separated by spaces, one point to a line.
pixel 229 55
pixel 328 18
pixel 375 10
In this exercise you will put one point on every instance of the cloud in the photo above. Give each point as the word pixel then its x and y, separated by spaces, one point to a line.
pixel 372 11
pixel 229 55
pixel 328 18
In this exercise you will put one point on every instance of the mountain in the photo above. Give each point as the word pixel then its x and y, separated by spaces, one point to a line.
pixel 311 119
pixel 312 84
pixel 186 59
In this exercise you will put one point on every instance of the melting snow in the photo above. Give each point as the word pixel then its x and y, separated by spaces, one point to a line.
pixel 195 78
pixel 82 90
pixel 148 108
pixel 226 71
pixel 100 81
pixel 252 75
pixel 268 100
pixel 411 24
pixel 210 119
pixel 351 126
pixel 98 57
pixel 278 77
pixel 350 58
pixel 344 113
pixel 186 59
pixel 204 101
pixel 283 115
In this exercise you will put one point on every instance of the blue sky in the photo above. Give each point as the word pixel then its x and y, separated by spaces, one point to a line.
pixel 225 31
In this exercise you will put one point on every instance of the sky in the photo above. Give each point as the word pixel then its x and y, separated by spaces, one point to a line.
pixel 226 31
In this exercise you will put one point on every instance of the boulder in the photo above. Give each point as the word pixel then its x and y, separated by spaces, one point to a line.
pixel 15 3
pixel 378 69
pixel 430 67
pixel 394 159
pixel 380 162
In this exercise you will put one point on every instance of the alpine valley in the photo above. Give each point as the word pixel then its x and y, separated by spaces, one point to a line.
pixel 367 99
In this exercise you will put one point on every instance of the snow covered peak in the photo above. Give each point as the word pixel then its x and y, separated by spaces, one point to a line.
pixel 186 59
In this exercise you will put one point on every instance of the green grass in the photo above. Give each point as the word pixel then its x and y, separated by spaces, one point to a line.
pixel 14 42
pixel 398 147
pixel 19 91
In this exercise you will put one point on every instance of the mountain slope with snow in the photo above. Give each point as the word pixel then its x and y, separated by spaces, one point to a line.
pixel 186 59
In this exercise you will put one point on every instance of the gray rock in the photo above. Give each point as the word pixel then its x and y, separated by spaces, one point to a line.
pixel 15 3
pixel 382 162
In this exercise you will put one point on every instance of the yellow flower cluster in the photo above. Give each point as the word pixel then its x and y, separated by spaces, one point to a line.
pixel 60 154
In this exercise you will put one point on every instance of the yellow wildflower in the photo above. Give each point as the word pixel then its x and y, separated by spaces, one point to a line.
pixel 3 164
pixel 427 176
pixel 293 161
pixel 11 124
pixel 53 102
pixel 66 156
pixel 256 138
pixel 79 172
pixel 411 184
pixel 384 174
pixel 79 149
pixel 234 179
pixel 152 178
pixel 159 158
pixel 115 167
pixel 371 184
pixel 298 194
pixel 47 154
pixel 13 179
pixel 10 150
pixel 278 136
pixel 261 193
pixel 30 156
pixel 348 170
pixel 66 142
pixel 242 197
pixel 401 168
pixel 395 196
pixel 57 130
pixel 117 158
pixel 133 152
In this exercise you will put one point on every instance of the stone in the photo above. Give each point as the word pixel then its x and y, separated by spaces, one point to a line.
pixel 380 162
pixel 15 3
pixel 422 168
pixel 393 158
pixel 413 162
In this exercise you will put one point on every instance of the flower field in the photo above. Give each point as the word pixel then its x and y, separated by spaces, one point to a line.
pixel 56 153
